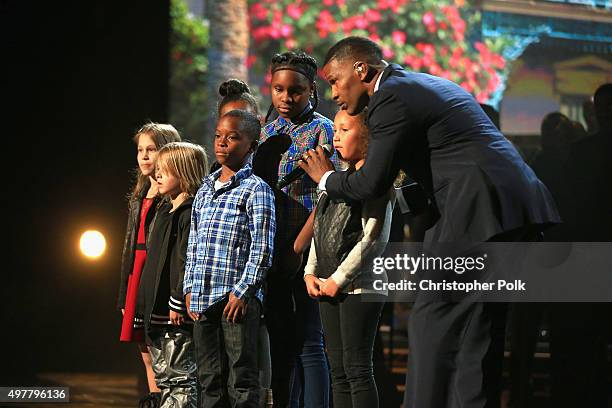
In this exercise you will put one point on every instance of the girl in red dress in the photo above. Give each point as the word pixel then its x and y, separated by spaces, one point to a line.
pixel 142 204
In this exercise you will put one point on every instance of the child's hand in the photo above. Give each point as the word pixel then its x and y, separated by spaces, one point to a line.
pixel 176 318
pixel 194 316
pixel 235 309
pixel 329 288
pixel 313 286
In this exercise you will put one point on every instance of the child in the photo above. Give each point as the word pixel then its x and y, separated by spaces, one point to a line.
pixel 228 254
pixel 142 203
pixel 349 323
pixel 237 95
pixel 296 338
pixel 180 168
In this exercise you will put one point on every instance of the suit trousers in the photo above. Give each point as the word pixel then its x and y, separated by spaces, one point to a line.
pixel 456 347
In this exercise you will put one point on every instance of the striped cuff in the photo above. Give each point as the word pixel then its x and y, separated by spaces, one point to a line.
pixel 176 305
pixel 138 322
pixel 157 320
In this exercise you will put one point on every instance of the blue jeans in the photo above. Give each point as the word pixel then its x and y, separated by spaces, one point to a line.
pixel 310 377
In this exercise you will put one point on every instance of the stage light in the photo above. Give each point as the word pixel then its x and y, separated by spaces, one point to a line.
pixel 92 244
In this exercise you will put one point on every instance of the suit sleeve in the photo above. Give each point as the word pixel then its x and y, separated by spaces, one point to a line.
pixel 390 124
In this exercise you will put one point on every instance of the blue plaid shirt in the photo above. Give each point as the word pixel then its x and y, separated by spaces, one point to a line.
pixel 302 193
pixel 231 239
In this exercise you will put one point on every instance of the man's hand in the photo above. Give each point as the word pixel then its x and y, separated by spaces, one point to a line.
pixel 313 286
pixel 176 318
pixel 316 164
pixel 235 309
pixel 194 316
pixel 329 288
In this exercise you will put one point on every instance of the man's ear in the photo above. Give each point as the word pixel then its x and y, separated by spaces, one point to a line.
pixel 364 71
pixel 361 69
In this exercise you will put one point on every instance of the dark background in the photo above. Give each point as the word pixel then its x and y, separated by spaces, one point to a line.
pixel 79 79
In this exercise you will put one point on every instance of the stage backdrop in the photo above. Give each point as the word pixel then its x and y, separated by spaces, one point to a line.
pixel 525 58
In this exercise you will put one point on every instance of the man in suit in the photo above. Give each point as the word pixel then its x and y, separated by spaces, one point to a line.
pixel 480 189
pixel 580 331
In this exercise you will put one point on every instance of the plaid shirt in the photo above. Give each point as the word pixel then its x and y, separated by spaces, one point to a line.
pixel 231 239
pixel 301 195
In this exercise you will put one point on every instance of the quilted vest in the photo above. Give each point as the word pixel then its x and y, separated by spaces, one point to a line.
pixel 337 229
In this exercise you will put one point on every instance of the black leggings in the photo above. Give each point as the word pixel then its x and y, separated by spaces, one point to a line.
pixel 350 328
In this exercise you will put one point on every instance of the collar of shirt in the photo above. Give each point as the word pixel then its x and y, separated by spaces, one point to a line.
pixel 241 174
pixel 281 122
pixel 380 74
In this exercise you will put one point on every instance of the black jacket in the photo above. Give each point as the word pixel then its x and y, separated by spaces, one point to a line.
pixel 437 133
pixel 131 235
pixel 161 284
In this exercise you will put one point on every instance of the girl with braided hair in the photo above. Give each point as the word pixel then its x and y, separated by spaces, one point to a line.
pixel 235 94
pixel 302 69
pixel 299 364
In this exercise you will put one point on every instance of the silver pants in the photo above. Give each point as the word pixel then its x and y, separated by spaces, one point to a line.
pixel 174 366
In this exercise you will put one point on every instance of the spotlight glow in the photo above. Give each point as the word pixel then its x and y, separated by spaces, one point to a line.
pixel 92 244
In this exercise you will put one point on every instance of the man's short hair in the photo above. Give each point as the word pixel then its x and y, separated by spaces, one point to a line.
pixel 356 48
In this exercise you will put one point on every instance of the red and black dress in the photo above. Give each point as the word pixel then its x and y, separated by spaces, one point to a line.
pixel 132 327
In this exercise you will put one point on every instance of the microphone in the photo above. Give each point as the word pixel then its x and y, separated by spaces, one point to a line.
pixel 299 172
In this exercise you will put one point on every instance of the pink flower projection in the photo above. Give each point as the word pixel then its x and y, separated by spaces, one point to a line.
pixel 425 35
pixel 399 37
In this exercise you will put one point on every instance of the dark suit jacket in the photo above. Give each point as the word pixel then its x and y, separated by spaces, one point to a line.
pixel 438 134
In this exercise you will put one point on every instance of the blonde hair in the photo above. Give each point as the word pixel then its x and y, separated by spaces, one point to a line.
pixel 185 161
pixel 162 134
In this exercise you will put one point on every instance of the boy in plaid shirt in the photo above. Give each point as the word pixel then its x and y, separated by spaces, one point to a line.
pixel 228 254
